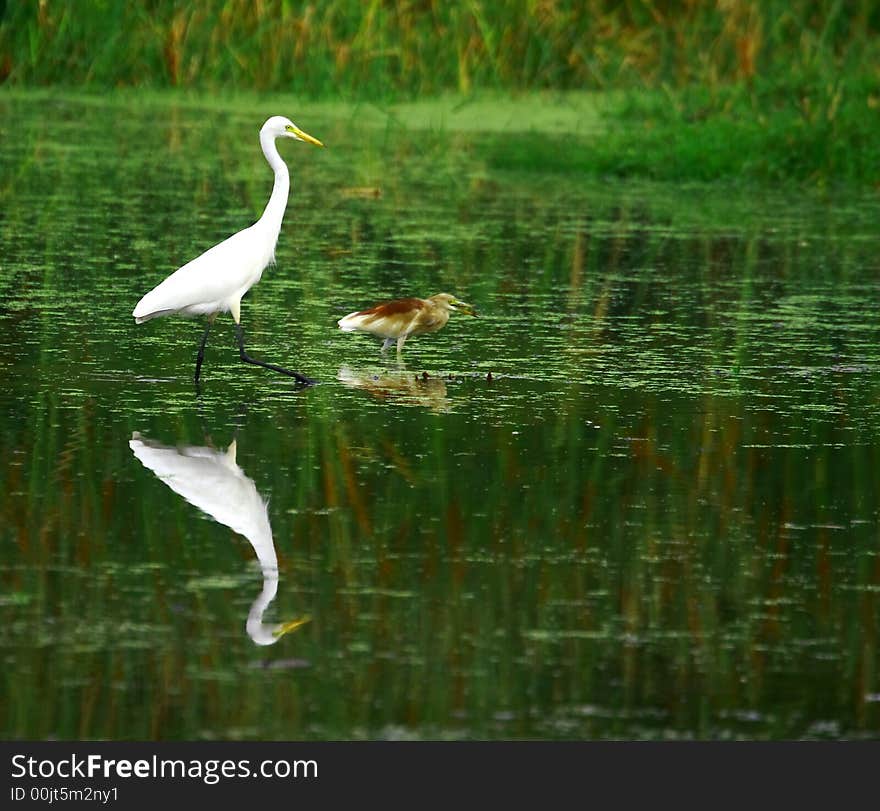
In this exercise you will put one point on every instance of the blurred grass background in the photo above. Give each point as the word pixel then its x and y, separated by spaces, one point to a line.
pixel 690 90
pixel 404 47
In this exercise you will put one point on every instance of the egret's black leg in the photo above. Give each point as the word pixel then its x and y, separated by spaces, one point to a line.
pixel 305 381
pixel 201 356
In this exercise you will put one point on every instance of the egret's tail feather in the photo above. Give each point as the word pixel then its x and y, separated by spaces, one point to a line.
pixel 140 316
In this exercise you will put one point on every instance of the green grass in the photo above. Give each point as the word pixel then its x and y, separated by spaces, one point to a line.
pixel 401 48
pixel 771 92
pixel 761 136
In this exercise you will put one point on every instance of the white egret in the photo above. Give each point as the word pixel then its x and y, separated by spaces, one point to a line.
pixel 398 320
pixel 212 481
pixel 215 281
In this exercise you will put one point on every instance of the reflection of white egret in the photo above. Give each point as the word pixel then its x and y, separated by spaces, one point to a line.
pixel 212 481
pixel 402 388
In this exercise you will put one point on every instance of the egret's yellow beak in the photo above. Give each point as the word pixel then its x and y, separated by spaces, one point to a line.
pixel 303 136
pixel 287 627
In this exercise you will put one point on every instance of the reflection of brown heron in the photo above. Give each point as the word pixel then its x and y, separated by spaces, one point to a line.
pixel 398 320
pixel 402 388
pixel 212 481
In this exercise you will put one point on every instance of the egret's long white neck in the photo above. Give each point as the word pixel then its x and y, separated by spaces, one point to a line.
pixel 273 214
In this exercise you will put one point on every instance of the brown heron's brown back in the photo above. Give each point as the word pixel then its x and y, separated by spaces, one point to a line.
pixel 396 307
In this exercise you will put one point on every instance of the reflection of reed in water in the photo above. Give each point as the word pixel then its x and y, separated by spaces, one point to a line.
pixel 402 388
pixel 212 481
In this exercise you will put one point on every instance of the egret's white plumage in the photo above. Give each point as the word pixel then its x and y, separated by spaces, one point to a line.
pixel 204 286
pixel 215 281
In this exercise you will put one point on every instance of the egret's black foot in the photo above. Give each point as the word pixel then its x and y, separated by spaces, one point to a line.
pixel 304 381
pixel 301 379
pixel 200 357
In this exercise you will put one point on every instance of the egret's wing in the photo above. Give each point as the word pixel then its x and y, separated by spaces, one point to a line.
pixel 209 279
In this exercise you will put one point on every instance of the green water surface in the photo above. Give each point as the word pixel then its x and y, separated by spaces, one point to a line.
pixel 636 498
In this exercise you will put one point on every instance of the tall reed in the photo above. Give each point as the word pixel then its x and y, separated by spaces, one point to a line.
pixel 382 48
